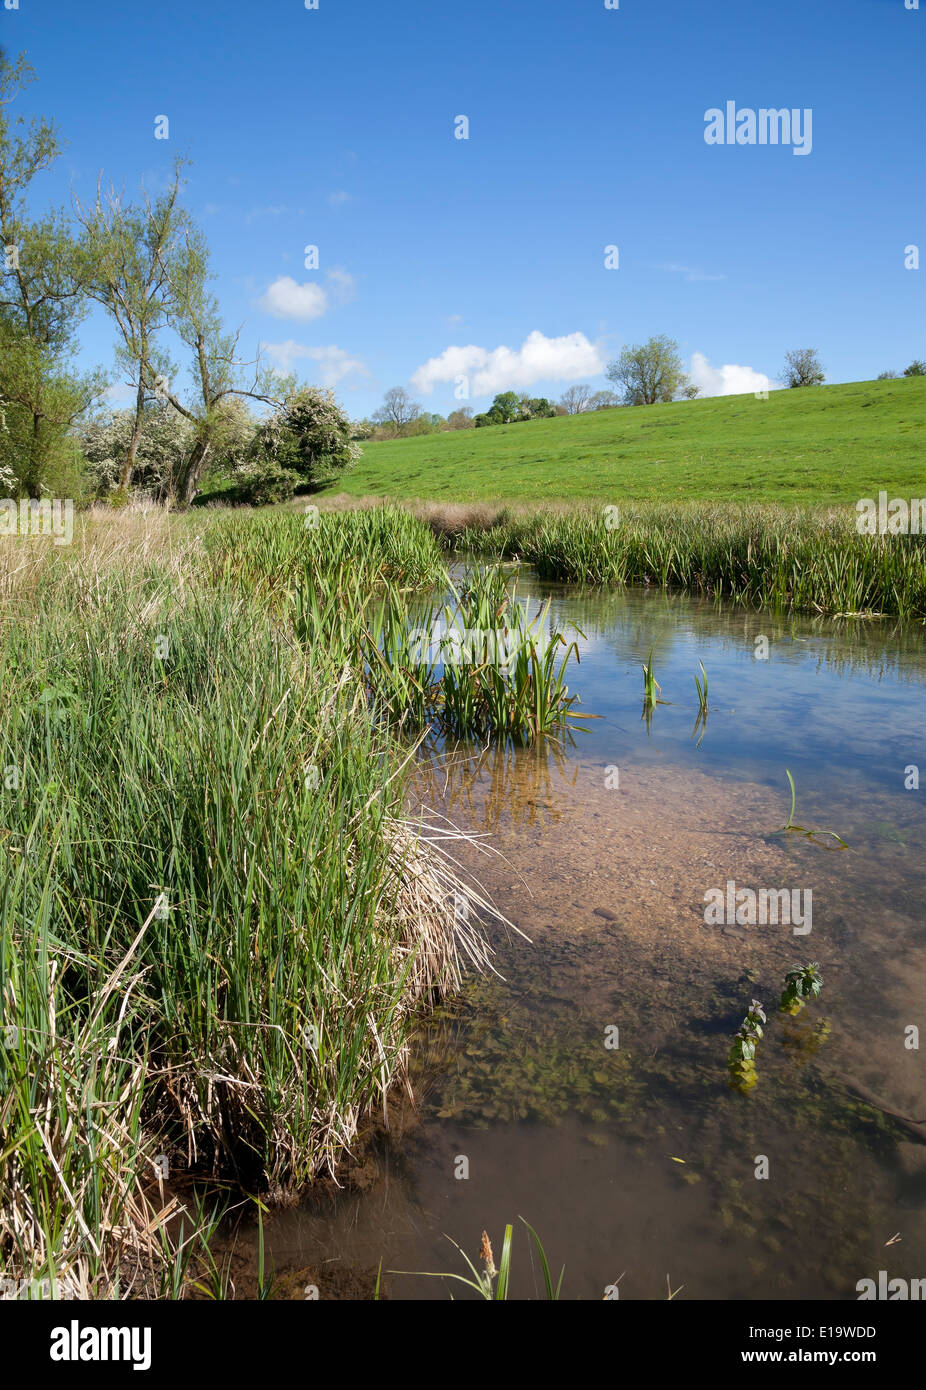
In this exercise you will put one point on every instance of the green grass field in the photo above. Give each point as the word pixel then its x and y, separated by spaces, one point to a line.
pixel 825 444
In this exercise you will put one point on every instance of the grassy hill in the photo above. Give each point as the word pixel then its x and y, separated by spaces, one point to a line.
pixel 822 444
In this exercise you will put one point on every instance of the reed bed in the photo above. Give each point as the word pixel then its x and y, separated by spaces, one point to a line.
pixel 797 559
pixel 215 921
pixel 772 557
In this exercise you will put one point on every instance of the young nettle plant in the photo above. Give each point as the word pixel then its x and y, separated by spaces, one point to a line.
pixel 802 982
pixel 742 1061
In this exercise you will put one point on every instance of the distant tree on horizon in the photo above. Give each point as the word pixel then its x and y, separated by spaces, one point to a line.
pixel 604 400
pixel 398 409
pixel 803 368
pixel 577 399
pixel 649 372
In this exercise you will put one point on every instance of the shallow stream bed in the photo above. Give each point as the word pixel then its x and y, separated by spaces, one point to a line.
pixel 587 1090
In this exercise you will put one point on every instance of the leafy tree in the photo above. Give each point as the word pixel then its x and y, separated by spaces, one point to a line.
pixel 428 422
pixel 41 267
pixel 604 400
pixel 506 408
pixel 650 372
pixel 309 435
pixel 536 408
pixel 162 444
pixel 129 249
pixel 916 368
pixel 803 367
pixel 461 419
pixel 886 376
pixel 219 372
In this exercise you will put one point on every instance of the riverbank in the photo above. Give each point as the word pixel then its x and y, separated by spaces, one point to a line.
pixel 216 923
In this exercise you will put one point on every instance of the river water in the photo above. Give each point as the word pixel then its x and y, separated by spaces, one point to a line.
pixel 586 1089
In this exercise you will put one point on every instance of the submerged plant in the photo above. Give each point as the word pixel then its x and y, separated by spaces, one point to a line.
pixel 742 1060
pixel 801 983
pixel 790 827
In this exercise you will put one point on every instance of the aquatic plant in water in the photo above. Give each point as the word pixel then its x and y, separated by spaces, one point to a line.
pixel 801 983
pixel 491 1283
pixel 742 1060
pixel 791 828
pixel 650 684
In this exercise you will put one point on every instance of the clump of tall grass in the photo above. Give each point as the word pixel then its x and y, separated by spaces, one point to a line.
pixel 509 681
pixel 477 666
pixel 277 550
pixel 216 923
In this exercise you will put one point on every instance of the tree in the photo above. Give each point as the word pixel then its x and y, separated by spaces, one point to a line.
pixel 803 367
pixel 129 250
pixel 309 435
pixel 162 444
pixel 916 368
pixel 577 399
pixel 40 306
pixel 398 409
pixel 505 408
pixel 886 376
pixel 461 419
pixel 691 391
pixel 219 372
pixel 536 408
pixel 650 372
pixel 604 400
pixel 428 422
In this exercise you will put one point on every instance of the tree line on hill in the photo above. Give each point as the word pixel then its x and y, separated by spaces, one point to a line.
pixel 649 373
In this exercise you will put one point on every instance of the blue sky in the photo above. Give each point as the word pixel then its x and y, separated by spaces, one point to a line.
pixel 335 127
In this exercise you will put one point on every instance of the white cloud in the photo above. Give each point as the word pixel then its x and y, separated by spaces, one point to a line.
pixel 333 363
pixel 728 380
pixel 268 210
pixel 342 283
pixel 569 358
pixel 120 393
pixel 690 272
pixel 285 298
